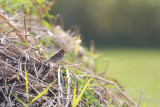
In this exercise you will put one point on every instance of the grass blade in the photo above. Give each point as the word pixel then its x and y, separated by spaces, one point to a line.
pixel 77 46
pixel 72 42
pixel 26 83
pixel 81 94
pixel 39 95
pixel 74 97
pixel 19 100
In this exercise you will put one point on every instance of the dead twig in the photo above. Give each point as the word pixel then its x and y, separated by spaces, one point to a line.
pixel 141 95
pixel 110 83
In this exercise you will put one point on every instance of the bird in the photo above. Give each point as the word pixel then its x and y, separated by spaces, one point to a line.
pixel 57 57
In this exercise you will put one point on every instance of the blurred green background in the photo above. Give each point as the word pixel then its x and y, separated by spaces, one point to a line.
pixel 113 23
pixel 134 68
pixel 127 33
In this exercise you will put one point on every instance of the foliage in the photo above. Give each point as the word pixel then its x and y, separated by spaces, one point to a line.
pixel 35 8
pixel 76 100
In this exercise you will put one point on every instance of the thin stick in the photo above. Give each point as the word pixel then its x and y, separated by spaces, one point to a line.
pixel 111 83
pixel 15 18
pixel 30 77
pixel 76 80
pixel 71 65
pixel 9 20
pixel 68 87
pixel 141 95
pixel 77 67
pixel 60 86
pixel 25 19
pixel 37 45
pixel 9 97
pixel 120 104
pixel 9 24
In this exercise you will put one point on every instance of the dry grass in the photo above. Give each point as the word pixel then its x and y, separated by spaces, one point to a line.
pixel 19 47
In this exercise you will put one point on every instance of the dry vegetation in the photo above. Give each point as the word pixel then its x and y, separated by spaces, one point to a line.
pixel 24 42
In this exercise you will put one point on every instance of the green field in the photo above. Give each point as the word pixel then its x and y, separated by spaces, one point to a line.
pixel 134 68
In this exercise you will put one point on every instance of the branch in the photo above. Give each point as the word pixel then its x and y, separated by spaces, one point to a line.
pixel 141 95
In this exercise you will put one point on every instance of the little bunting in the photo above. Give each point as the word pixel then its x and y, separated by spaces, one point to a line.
pixel 57 57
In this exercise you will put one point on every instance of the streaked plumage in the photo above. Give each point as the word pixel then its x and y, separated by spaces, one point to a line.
pixel 57 57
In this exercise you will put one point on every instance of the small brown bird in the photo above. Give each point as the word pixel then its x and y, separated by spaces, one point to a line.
pixel 57 57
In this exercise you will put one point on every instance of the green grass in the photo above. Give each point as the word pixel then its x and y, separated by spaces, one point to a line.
pixel 38 96
pixel 76 100
pixel 134 68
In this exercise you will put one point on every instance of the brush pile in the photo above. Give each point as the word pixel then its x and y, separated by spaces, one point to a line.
pixel 21 52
